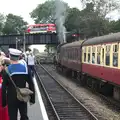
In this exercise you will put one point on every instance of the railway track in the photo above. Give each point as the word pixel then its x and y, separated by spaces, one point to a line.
pixel 64 104
pixel 47 104
pixel 109 101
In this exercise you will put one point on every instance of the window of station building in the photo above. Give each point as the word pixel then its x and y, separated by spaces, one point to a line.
pixel 98 54
pixel 107 56
pixel 89 52
pixel 115 55
pixel 93 55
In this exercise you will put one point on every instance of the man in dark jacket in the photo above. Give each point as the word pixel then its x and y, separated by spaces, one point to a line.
pixel 20 74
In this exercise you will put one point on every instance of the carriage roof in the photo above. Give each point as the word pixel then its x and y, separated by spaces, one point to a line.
pixel 113 37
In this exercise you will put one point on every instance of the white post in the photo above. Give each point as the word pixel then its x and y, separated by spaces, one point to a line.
pixel 24 43
pixel 16 44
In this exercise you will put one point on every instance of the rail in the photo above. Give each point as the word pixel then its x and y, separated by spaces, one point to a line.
pixel 64 104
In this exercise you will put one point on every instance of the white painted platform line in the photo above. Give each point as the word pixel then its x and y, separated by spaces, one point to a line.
pixel 42 107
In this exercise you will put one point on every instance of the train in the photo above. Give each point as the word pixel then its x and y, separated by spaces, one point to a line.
pixel 94 62
pixel 41 28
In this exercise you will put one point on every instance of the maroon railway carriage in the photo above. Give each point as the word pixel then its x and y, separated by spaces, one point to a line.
pixel 70 55
pixel 98 58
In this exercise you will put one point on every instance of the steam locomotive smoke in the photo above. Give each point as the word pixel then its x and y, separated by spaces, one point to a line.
pixel 60 19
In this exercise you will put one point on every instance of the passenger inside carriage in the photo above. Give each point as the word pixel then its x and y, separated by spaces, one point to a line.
pixel 98 58
pixel 107 60
pixel 93 58
pixel 115 60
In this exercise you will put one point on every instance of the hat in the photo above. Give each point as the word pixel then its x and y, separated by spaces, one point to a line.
pixel 2 53
pixel 27 52
pixel 15 52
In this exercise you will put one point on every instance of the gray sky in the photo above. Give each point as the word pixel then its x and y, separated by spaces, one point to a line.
pixel 24 7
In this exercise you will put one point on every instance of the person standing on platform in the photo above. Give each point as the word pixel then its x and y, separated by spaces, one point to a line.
pixel 20 74
pixel 31 62
pixel 3 111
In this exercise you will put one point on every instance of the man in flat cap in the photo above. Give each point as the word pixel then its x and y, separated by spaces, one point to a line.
pixel 20 74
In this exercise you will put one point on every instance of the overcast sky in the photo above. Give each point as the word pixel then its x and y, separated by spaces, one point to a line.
pixel 24 7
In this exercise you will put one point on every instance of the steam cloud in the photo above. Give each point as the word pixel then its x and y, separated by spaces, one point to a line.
pixel 60 19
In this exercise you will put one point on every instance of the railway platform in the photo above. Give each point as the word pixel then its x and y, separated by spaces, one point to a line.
pixel 37 111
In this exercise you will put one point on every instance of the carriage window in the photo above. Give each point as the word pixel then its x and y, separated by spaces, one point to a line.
pixel 67 53
pixel 107 59
pixel 98 54
pixel 76 54
pixel 73 54
pixel 72 51
pixel 115 55
pixel 70 54
pixel 93 55
pixel 84 51
pixel 89 50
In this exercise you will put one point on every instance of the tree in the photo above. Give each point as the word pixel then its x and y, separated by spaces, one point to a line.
pixel 103 7
pixel 115 26
pixel 86 22
pixel 14 24
pixel 45 13
pixel 91 23
pixel 2 20
pixel 73 19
